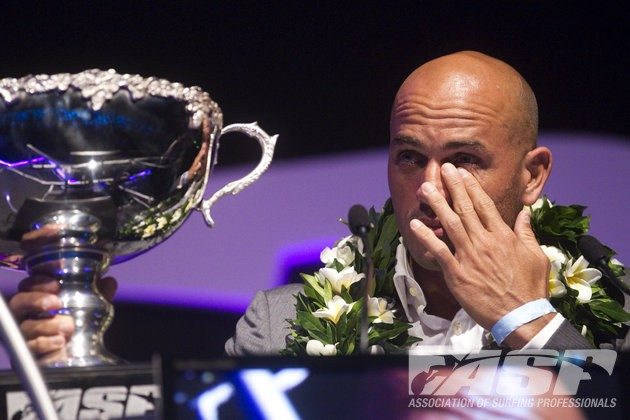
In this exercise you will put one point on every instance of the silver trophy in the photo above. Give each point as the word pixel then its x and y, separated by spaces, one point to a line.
pixel 96 168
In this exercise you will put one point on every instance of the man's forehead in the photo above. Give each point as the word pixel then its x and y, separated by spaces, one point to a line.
pixel 454 144
pixel 451 100
pixel 454 84
pixel 466 81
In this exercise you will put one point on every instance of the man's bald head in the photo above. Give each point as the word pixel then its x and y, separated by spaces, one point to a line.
pixel 470 76
pixel 474 112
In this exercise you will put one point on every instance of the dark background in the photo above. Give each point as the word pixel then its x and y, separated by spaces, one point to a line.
pixel 322 75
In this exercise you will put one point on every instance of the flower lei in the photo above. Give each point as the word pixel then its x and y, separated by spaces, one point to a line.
pixel 328 312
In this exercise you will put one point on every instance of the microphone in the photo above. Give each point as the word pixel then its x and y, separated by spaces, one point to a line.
pixel 359 223
pixel 595 253
pixel 358 220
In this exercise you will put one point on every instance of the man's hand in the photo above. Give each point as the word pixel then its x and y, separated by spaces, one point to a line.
pixel 493 268
pixel 35 307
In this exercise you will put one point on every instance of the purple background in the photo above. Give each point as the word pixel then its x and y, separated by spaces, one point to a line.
pixel 292 212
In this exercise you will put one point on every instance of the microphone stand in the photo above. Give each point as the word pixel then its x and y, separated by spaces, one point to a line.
pixel 616 281
pixel 359 224
pixel 367 286
pixel 594 252
pixel 25 365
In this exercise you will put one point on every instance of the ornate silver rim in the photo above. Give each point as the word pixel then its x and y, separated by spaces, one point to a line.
pixel 99 86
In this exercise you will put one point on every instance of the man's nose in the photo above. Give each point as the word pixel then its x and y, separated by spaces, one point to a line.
pixel 432 174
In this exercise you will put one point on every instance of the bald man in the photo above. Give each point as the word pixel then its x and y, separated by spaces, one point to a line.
pixel 463 161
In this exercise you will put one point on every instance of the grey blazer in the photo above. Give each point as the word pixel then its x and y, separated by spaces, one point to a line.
pixel 264 328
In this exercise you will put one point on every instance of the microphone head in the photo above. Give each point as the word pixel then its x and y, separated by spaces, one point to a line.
pixel 591 248
pixel 358 220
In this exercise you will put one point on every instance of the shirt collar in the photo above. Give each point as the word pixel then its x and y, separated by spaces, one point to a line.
pixel 406 286
pixel 469 335
pixel 412 297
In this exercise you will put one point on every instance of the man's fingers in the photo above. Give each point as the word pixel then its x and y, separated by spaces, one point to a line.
pixel 107 286
pixel 461 201
pixel 60 355
pixel 44 345
pixel 26 304
pixel 434 245
pixel 485 208
pixel 39 283
pixel 49 327
pixel 449 220
pixel 39 237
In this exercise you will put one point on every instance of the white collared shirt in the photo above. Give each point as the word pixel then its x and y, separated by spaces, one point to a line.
pixel 462 334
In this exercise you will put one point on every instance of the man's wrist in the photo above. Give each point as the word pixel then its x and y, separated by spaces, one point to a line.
pixel 525 333
pixel 542 337
pixel 518 326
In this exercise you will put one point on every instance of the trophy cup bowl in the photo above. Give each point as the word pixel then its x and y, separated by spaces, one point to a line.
pixel 114 163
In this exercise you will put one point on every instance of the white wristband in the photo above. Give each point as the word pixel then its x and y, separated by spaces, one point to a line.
pixel 520 316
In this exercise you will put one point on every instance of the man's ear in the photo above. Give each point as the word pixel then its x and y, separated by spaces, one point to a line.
pixel 537 167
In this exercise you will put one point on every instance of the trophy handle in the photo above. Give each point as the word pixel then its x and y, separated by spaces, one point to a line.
pixel 267 143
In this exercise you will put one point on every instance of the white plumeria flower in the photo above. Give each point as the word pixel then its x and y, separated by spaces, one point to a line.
pixel 378 307
pixel 344 255
pixel 317 348
pixel 177 215
pixel 148 231
pixel 161 222
pixel 538 204
pixel 344 278
pixel 335 307
pixel 557 259
pixel 341 252
pixel 557 289
pixel 189 205
pixel 579 277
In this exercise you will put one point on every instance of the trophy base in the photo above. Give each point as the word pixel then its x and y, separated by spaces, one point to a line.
pixel 87 361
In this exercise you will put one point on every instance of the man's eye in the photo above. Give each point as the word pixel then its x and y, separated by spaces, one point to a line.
pixel 465 160
pixel 410 158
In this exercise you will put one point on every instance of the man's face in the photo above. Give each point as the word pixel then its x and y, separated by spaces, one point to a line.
pixel 453 123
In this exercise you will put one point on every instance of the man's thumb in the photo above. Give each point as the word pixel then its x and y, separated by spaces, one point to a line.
pixel 107 286
pixel 523 229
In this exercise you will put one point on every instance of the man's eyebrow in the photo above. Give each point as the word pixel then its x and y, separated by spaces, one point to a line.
pixel 450 145
pixel 407 140
pixel 465 144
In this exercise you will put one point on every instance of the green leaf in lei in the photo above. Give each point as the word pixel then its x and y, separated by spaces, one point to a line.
pixel 609 309
pixel 559 226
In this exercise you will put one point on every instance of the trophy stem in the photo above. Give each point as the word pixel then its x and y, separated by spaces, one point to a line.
pixel 77 270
